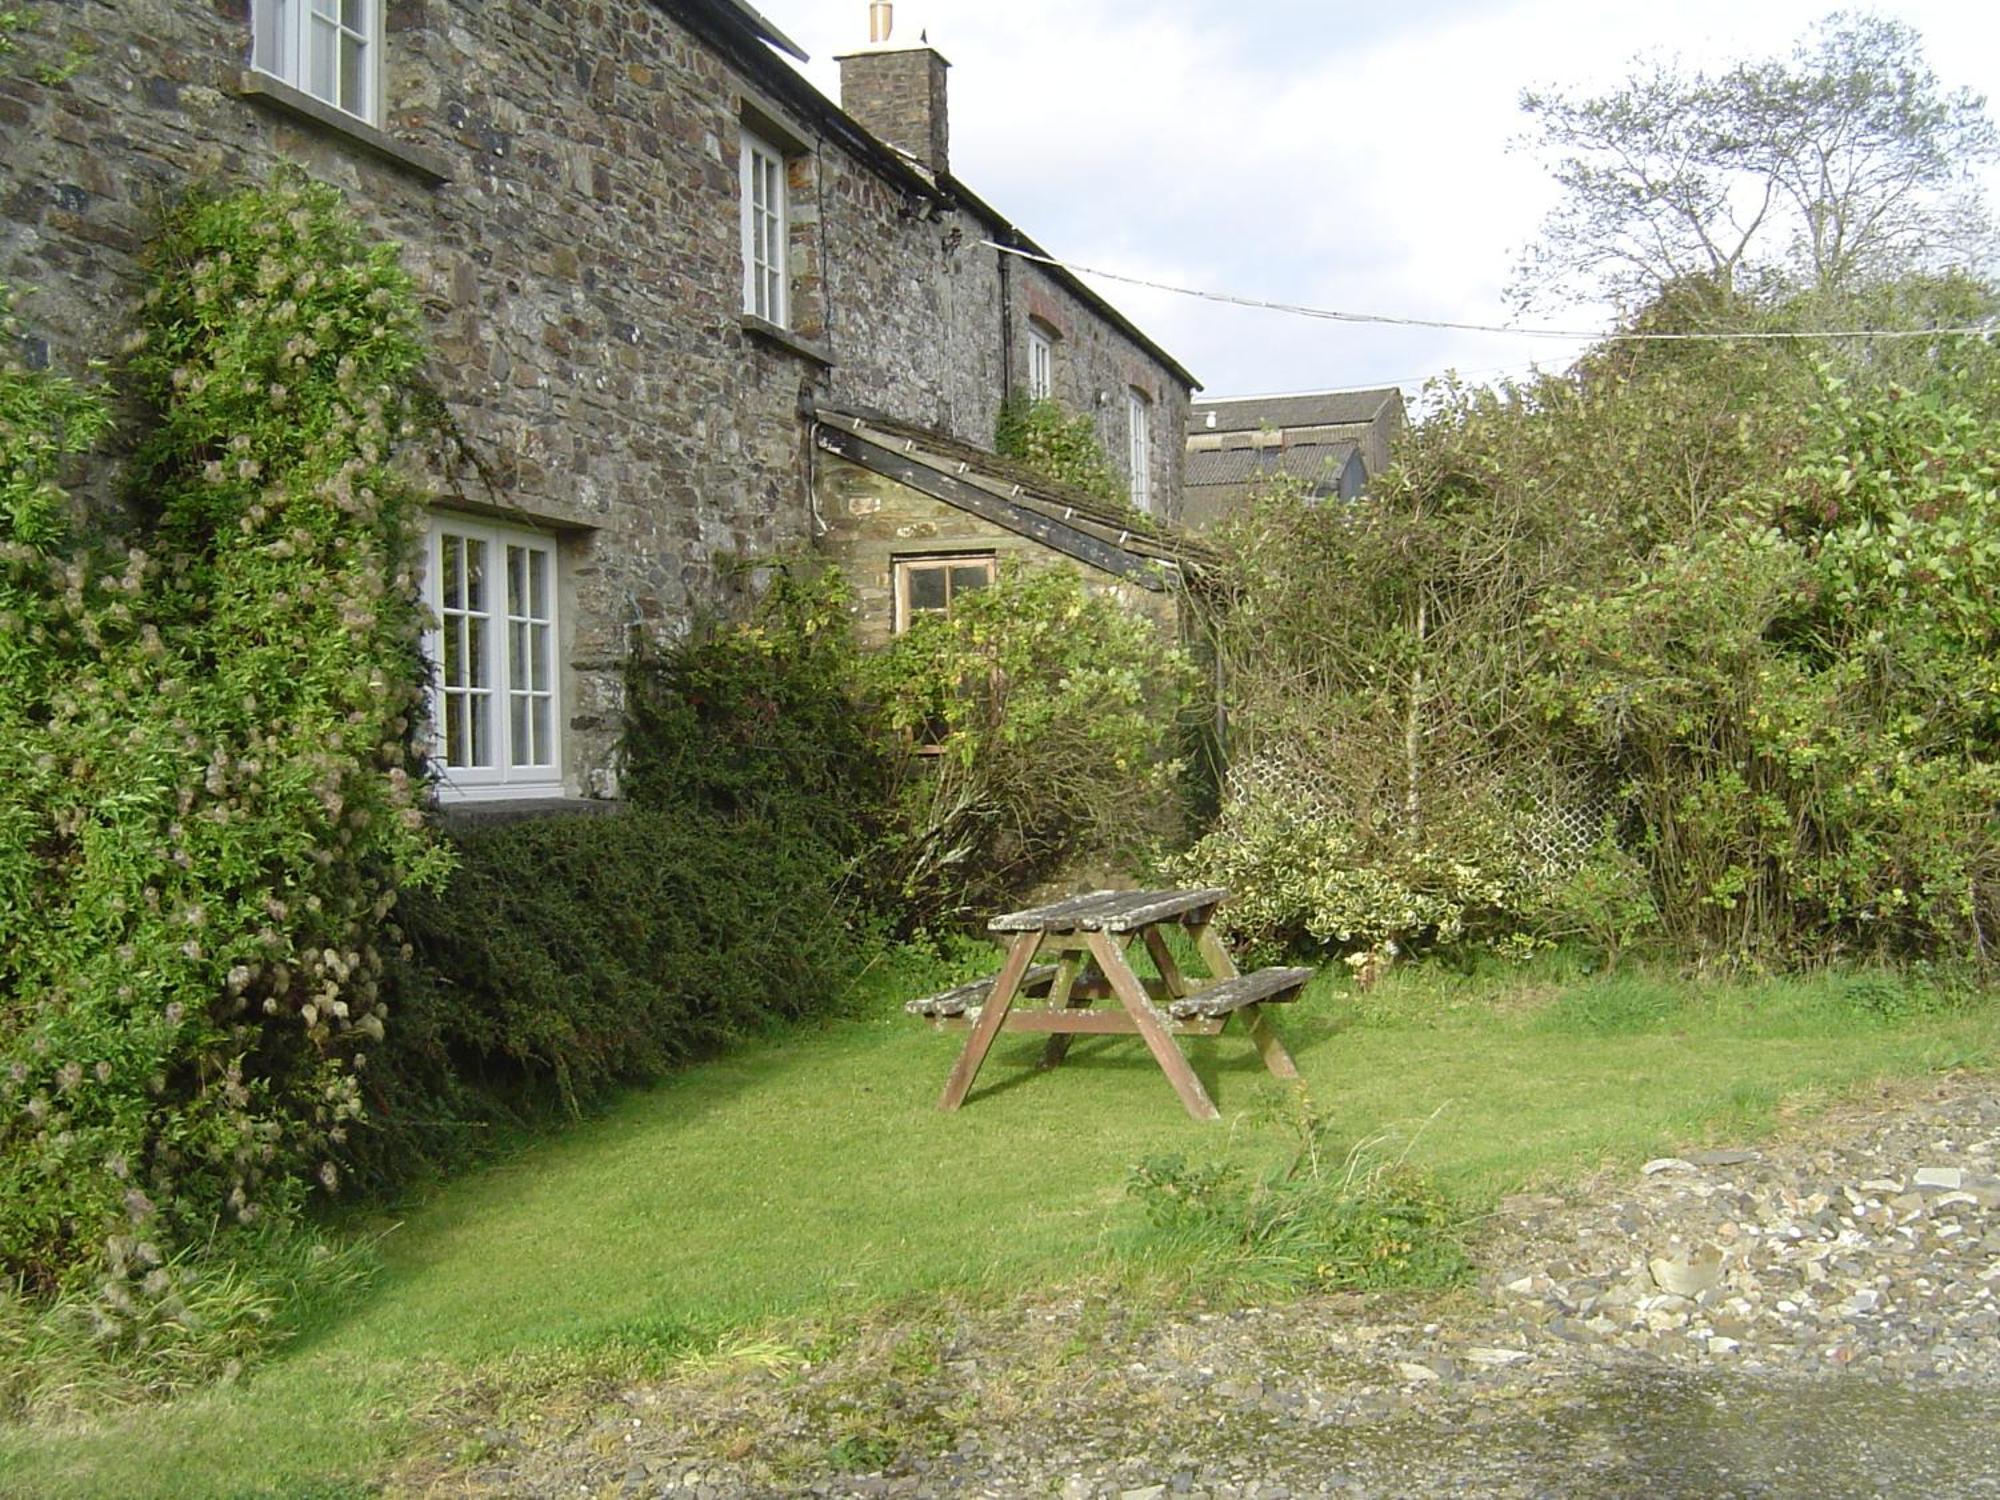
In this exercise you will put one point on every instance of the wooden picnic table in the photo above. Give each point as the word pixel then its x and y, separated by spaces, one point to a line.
pixel 1090 938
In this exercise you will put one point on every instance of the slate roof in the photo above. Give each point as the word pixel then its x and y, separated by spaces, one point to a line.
pixel 1101 532
pixel 1241 465
pixel 1315 409
pixel 749 17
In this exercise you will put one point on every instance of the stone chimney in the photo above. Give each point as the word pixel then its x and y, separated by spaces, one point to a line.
pixel 896 88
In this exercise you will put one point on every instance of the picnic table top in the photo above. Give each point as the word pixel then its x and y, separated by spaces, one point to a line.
pixel 1110 911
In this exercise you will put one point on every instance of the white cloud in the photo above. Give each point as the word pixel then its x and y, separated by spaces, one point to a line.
pixel 1273 149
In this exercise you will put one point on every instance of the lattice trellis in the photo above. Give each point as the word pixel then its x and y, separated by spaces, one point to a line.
pixel 1566 826
pixel 1566 823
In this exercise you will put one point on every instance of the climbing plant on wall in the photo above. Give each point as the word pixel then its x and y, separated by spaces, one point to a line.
pixel 208 790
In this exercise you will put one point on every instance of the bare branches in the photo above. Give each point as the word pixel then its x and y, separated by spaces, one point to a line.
pixel 1846 164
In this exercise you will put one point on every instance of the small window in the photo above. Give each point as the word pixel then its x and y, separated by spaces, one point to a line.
pixel 928 585
pixel 495 714
pixel 325 48
pixel 765 276
pixel 1041 363
pixel 1140 457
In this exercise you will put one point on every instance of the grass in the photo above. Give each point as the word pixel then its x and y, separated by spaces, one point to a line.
pixel 812 1174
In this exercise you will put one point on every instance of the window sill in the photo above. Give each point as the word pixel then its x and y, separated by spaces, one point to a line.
pixel 489 813
pixel 429 167
pixel 784 339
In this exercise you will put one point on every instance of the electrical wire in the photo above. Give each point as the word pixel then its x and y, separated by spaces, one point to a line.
pixel 1296 309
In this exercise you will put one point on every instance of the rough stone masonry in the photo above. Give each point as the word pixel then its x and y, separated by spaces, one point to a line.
pixel 563 179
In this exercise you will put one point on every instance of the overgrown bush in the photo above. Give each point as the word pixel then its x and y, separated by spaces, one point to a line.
pixel 1053 441
pixel 766 717
pixel 973 757
pixel 1801 704
pixel 207 794
pixel 567 955
pixel 1052 715
pixel 1707 592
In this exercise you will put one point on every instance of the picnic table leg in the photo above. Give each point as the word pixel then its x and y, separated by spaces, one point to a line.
pixel 1152 1026
pixel 991 1018
pixel 1222 966
pixel 1068 967
pixel 1209 946
pixel 1276 1058
pixel 1163 960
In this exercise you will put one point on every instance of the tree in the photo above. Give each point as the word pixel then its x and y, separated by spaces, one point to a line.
pixel 1843 166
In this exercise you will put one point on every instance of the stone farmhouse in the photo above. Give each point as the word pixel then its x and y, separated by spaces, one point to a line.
pixel 1332 442
pixel 687 312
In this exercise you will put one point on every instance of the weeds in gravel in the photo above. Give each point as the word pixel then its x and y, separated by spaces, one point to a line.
pixel 1325 1219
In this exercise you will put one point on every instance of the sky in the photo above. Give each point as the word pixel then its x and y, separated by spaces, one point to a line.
pixel 1333 155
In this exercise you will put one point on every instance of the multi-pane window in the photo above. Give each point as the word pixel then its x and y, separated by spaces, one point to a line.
pixel 1041 364
pixel 494 709
pixel 1140 458
pixel 325 48
pixel 764 278
pixel 928 585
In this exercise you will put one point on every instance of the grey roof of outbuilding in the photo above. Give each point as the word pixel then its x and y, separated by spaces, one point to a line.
pixel 1240 465
pixel 1315 409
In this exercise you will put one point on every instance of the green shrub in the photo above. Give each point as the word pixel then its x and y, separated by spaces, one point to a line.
pixel 1801 704
pixel 567 955
pixel 766 718
pixel 1053 715
pixel 971 758
pixel 208 798
pixel 1306 875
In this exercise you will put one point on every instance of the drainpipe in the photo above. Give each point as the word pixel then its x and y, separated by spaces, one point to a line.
pixel 1006 325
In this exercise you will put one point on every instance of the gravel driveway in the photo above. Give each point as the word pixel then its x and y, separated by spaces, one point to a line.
pixel 1812 1317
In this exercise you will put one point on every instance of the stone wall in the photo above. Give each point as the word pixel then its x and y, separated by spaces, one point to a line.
pixel 873 520
pixel 580 263
pixel 1094 368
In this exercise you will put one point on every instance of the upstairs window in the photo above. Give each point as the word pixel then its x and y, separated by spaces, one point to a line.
pixel 765 275
pixel 494 707
pixel 325 48
pixel 1041 363
pixel 1139 412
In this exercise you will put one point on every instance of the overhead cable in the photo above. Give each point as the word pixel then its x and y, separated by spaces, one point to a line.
pixel 1328 314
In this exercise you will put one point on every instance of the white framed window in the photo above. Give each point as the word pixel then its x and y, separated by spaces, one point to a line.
pixel 1139 458
pixel 765 275
pixel 496 707
pixel 1041 364
pixel 929 585
pixel 329 49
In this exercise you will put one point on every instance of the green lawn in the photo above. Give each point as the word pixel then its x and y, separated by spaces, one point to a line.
pixel 813 1173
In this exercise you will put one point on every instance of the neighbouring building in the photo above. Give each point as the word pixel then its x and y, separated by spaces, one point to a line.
pixel 1330 442
pixel 665 277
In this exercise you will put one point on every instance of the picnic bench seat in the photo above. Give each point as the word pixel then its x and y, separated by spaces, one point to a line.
pixel 956 1002
pixel 1262 987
